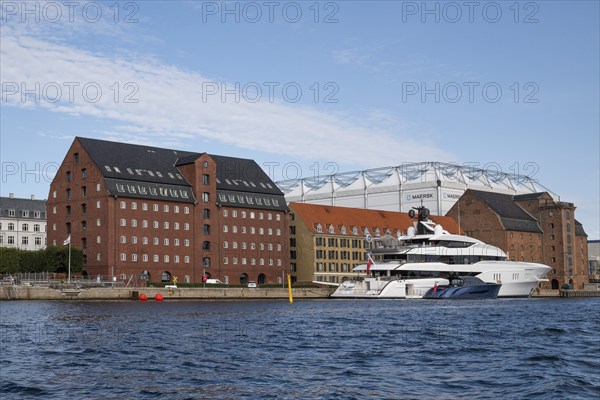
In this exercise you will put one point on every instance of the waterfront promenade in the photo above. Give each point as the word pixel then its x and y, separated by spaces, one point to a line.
pixel 22 292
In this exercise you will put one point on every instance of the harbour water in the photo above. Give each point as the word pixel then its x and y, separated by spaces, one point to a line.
pixel 325 349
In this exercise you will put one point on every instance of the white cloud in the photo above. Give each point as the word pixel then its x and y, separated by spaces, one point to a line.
pixel 170 107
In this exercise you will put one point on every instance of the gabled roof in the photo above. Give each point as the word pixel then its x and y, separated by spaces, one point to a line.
pixel 579 231
pixel 20 205
pixel 134 162
pixel 314 215
pixel 243 175
pixel 529 196
pixel 512 216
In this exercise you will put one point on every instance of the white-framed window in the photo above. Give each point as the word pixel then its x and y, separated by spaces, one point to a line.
pixel 243 214
pixel 134 240
pixel 54 210
pixel 270 231
pixel 278 232
pixel 234 213
pixel 252 230
pixel 123 205
pixel 166 225
pixel 243 260
pixel 243 245
pixel 251 214
pixel 145 223
pixel 186 226
pixel 270 246
pixel 175 242
pixel 261 231
pixel 262 261
pixel 98 257
pixel 166 208
pixel 176 259
pixel 261 216
pixel 186 210
pixel 176 225
pixel 98 222
pixel 134 223
pixel 155 224
pixel 279 262
pixel 176 211
pixel 225 245
pixel 144 240
pixel 134 257
pixel 166 241
pixel 234 245
pixel 154 207
pixel 252 246
pixel 186 259
pixel 243 229
pixel 145 257
pixel 225 229
pixel 123 257
pixel 155 258
pixel 123 239
pixel 186 242
pixel 270 261
pixel 225 260
pixel 278 247
pixel 155 241
pixel 98 239
pixel 234 229
pixel 123 222
pixel 235 260
pixel 224 213
pixel 145 208
pixel 134 207
pixel 98 203
pixel 166 258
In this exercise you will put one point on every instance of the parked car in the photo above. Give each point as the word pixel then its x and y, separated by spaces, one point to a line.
pixel 214 282
pixel 8 280
pixel 252 284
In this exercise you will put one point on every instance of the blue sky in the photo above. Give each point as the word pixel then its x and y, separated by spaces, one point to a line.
pixel 322 86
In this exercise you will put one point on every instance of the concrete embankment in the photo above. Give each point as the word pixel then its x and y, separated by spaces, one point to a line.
pixel 16 292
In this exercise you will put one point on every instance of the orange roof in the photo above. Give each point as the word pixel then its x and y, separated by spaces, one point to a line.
pixel 338 218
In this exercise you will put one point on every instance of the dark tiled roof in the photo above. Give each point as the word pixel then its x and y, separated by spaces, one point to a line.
pixel 529 196
pixel 513 217
pixel 136 162
pixel 243 175
pixel 20 205
pixel 579 231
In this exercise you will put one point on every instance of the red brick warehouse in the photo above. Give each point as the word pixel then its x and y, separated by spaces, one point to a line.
pixel 157 213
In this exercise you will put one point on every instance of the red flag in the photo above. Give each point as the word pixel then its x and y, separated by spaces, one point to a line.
pixel 434 287
pixel 369 263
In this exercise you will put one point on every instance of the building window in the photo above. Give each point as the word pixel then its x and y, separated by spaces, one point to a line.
pixel 206 262
pixel 84 225
pixel 176 225
pixel 84 191
pixel 206 245
pixel 186 210
pixel 76 158
pixel 144 206
pixel 175 242
pixel 98 187
pixel 186 242
pixel 123 239
pixel 205 229
pixel 205 179
pixel 84 208
pixel 134 240
pixel 123 257
pixel 166 225
pixel 145 257
pixel 68 197
pixel 186 259
pixel 206 213
pixel 155 224
pixel 25 227
pixel 225 260
pixel 36 227
pixel 123 222
pixel 186 226
pixel 98 239
pixel 155 258
pixel 224 213
pixel 166 208
pixel 83 173
pixel 166 241
pixel 225 245
pixel 144 240
pixel 154 207
pixel 134 257
pixel 205 197
pixel 155 241
pixel 25 240
pixel 225 229
pixel 11 240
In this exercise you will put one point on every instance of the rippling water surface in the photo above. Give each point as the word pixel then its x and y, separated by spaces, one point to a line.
pixel 526 348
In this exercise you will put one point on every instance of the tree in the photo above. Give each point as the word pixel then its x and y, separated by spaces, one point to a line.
pixel 9 260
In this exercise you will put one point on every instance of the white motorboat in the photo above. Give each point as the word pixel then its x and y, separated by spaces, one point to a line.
pixel 427 255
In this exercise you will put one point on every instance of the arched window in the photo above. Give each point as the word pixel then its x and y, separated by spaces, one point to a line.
pixel 244 279
pixel 165 276
pixel 261 279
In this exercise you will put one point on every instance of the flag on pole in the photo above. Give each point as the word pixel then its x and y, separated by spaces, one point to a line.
pixel 369 263
pixel 67 241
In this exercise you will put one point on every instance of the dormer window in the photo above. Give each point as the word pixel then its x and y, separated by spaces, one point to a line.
pixel 331 230
pixel 319 228
pixel 343 230
pixel 355 230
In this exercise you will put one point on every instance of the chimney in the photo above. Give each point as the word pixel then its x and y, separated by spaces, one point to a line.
pixel 11 195
pixel 33 197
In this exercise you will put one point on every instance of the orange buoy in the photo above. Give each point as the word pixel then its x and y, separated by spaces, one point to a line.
pixel 158 297
pixel 143 297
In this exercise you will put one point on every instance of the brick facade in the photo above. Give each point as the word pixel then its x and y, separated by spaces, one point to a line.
pixel 162 224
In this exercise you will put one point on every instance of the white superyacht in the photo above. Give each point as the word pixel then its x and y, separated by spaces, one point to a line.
pixel 427 255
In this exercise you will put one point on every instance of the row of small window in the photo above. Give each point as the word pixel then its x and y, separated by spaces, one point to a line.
pixel 244 246
pixel 83 192
pixel 333 267
pixel 140 172
pixel 10 240
pixel 248 199
pixel 244 261
pixel 160 191
pixel 252 215
pixel 146 258
pixel 133 223
pixel 335 242
pixel 261 231
pixel 155 241
pixel 133 206
pixel 24 213
pixel 247 184
pixel 339 255
pixel 70 175
pixel 24 227
pixel 355 231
